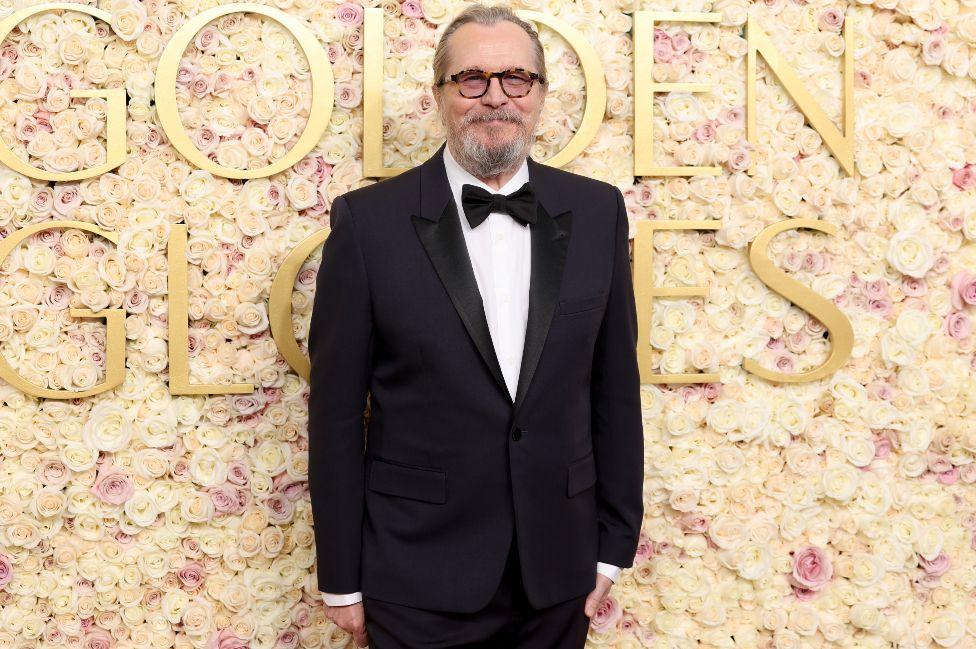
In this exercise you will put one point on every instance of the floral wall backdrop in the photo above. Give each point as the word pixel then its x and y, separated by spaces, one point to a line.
pixel 839 512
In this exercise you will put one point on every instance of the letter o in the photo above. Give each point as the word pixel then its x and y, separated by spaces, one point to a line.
pixel 323 90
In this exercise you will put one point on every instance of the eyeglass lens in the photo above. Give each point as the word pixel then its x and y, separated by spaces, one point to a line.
pixel 514 84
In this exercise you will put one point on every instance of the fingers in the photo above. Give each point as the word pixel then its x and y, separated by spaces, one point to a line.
pixel 595 599
pixel 350 618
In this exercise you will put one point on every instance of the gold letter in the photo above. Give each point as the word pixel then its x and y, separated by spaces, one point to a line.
pixel 644 90
pixel 179 330
pixel 323 90
pixel 114 116
pixel 646 292
pixel 842 146
pixel 114 322
pixel 823 309
pixel 279 303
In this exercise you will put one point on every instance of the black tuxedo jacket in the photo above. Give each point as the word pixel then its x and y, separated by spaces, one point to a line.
pixel 419 509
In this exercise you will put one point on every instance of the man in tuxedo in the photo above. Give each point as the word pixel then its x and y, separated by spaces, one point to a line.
pixel 484 301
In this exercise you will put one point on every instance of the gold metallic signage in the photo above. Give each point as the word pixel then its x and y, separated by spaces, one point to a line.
pixel 323 93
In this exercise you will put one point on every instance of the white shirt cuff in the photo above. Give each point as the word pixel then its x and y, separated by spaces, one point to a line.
pixel 613 572
pixel 333 599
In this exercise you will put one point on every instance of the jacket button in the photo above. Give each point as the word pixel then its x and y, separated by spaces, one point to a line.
pixel 517 434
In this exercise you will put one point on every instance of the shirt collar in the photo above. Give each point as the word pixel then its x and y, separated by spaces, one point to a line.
pixel 458 176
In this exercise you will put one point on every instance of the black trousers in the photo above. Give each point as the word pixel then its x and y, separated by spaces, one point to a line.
pixel 508 621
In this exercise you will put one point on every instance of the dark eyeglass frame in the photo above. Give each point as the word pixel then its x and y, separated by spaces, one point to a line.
pixel 533 77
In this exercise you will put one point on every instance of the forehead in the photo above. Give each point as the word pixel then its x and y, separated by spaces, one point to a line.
pixel 491 47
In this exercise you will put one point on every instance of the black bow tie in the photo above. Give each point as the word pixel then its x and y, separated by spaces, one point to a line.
pixel 478 203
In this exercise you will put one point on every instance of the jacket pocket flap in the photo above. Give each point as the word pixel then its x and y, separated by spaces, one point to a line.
pixel 575 305
pixel 581 474
pixel 419 483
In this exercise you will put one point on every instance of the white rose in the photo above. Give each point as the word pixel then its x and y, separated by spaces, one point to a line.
pixel 902 119
pixel 867 617
pixel 859 450
pixel 930 541
pixel 910 253
pixel 128 19
pixel 866 570
pixel 840 482
pixel 805 619
pixel 207 468
pixel 914 326
pixel 141 508
pixel 947 629
pixel 754 562
pixel 197 185
pixel 109 427
pixel 895 349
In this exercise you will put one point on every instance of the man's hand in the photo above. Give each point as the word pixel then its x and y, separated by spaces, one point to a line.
pixel 351 619
pixel 598 594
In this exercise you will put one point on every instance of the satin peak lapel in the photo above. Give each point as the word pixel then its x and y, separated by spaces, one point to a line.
pixel 438 226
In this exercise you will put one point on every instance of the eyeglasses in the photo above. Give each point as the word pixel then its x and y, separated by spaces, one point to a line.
pixel 473 83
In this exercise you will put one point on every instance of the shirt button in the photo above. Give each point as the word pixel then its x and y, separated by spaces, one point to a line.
pixel 499 236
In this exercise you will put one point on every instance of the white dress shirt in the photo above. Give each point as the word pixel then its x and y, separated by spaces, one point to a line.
pixel 500 249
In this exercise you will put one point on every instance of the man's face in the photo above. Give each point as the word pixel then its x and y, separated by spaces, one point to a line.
pixel 492 132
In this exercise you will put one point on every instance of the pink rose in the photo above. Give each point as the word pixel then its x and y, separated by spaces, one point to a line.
pixel 963 288
pixel 876 289
pixel 412 9
pixel 693 522
pixel 830 20
pixel 784 363
pixel 279 508
pixel 933 50
pixel 964 178
pixel 882 447
pixel 288 639
pixel 607 614
pixel 937 566
pixel 956 325
pixel 113 485
pixel 967 473
pixel 225 499
pixel 734 115
pixel 712 391
pixel 811 568
pixel 939 463
pixel 663 51
pixel 6 572
pixel 704 133
pixel 880 307
pixel 98 638
pixel 680 42
pixel 227 640
pixel 191 574
pixel 914 286
pixel 349 14
pixel 949 477
pixel 644 549
pixel 238 472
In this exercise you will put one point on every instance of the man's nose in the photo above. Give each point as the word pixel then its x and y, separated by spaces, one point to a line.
pixel 494 96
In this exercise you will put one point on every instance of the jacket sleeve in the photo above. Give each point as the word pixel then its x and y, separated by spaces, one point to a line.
pixel 340 343
pixel 616 424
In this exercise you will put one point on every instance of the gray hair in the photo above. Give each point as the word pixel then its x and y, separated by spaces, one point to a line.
pixel 487 15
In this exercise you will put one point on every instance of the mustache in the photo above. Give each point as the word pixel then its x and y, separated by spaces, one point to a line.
pixel 487 117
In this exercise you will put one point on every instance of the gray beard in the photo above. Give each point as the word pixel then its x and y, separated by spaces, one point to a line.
pixel 483 161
